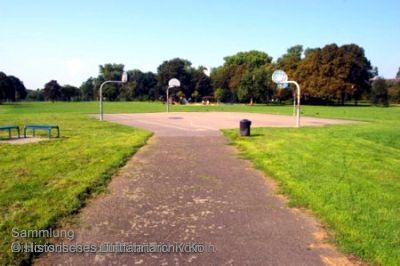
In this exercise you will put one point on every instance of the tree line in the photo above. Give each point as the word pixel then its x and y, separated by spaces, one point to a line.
pixel 329 75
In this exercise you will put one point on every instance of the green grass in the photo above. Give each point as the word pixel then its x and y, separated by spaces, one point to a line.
pixel 349 176
pixel 366 113
pixel 43 182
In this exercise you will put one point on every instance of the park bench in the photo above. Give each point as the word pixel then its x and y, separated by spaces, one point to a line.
pixel 42 127
pixel 9 128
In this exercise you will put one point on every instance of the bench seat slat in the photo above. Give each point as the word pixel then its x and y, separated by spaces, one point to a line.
pixel 8 127
pixel 41 126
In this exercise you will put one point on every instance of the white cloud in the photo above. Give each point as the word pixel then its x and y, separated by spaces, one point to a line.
pixel 74 67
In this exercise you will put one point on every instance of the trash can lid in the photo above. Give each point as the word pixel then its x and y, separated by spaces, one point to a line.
pixel 245 120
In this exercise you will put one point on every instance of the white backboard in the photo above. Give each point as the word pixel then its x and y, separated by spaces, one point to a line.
pixel 174 83
pixel 124 77
pixel 279 76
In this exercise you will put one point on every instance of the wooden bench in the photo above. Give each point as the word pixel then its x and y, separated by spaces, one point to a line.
pixel 9 128
pixel 42 127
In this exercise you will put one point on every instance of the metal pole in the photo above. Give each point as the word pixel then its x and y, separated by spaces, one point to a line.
pixel 298 102
pixel 298 105
pixel 101 95
pixel 294 102
pixel 167 100
pixel 101 101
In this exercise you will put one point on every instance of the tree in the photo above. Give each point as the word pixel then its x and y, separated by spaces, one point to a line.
pixel 200 81
pixel 6 88
pixel 245 75
pixel 111 91
pixel 379 92
pixel 290 61
pixel 88 89
pixel 394 91
pixel 35 95
pixel 127 91
pixel 69 92
pixel 176 68
pixel 398 74
pixel 111 71
pixel 142 84
pixel 221 76
pixel 252 59
pixel 334 73
pixel 195 96
pixel 247 90
pixel 150 88
pixel 18 88
pixel 11 88
pixel 218 93
pixel 52 91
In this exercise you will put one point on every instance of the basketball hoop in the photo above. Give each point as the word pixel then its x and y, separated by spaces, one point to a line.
pixel 281 79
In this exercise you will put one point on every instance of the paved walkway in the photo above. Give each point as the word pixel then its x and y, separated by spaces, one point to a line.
pixel 193 188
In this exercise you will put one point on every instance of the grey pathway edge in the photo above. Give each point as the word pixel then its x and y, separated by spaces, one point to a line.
pixel 188 186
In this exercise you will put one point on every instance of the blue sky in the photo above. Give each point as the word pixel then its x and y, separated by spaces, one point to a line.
pixel 68 40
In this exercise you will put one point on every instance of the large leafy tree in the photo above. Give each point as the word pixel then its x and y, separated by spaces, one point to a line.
pixel 18 87
pixel 5 87
pixel 111 91
pixel 88 89
pixel 11 88
pixel 69 92
pixel 251 59
pixel 193 80
pixel 245 75
pixel 35 95
pixel 290 61
pixel 140 85
pixel 127 91
pixel 255 84
pixel 176 68
pixel 201 82
pixel 52 91
pixel 335 74
pixel 111 71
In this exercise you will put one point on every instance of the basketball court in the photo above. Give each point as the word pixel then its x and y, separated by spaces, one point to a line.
pixel 209 123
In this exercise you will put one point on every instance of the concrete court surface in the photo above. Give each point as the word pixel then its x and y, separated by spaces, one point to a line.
pixel 188 186
pixel 209 123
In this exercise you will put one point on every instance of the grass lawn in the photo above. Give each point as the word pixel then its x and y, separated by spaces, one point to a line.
pixel 43 182
pixel 349 176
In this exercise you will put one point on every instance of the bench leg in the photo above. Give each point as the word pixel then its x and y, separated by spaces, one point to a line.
pixel 58 132
pixel 25 133
pixel 9 133
pixel 18 132
pixel 50 133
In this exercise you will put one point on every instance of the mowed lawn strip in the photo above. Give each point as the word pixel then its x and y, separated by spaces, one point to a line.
pixel 43 182
pixel 349 176
pixel 362 112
